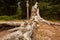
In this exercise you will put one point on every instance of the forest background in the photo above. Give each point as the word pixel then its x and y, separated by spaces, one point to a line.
pixel 9 9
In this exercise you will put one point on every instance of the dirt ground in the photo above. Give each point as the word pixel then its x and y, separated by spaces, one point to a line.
pixel 47 32
pixel 3 33
pixel 43 32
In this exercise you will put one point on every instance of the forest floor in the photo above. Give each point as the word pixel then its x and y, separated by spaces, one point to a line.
pixel 43 32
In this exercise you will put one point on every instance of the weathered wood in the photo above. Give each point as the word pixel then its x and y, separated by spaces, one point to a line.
pixel 11 24
pixel 25 29
pixel 17 24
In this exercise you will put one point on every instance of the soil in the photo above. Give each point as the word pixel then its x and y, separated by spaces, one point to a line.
pixel 47 32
